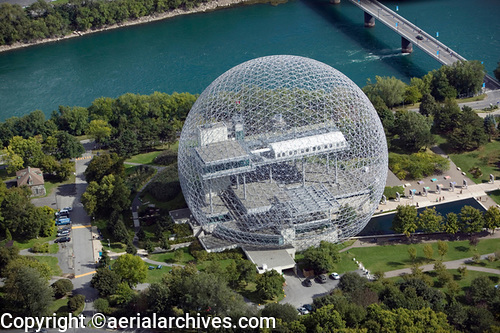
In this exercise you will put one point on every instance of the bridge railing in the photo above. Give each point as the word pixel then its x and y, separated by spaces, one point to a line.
pixel 406 22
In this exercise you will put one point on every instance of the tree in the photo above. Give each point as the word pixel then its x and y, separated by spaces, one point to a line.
pixel 481 290
pixel 105 281
pixel 412 94
pixel 414 130
pixel 496 72
pixel 286 312
pixel 99 130
pixel 131 269
pixel 102 305
pixel 490 127
pixel 270 285
pixel 351 282
pixel 440 86
pixel 412 251
pixel 429 106
pixel 451 225
pixel 471 220
pixel 67 146
pixel 29 150
pixel 62 287
pixel 73 120
pixel 178 255
pixel 390 89
pixel 462 270
pixel 445 119
pixel 111 192
pixel 492 218
pixel 429 220
pixel 27 292
pixel 104 260
pixel 247 271
pixel 442 248
pixel 325 319
pixel 76 302
pixel 322 259
pixel 469 132
pixel 405 220
pixel 465 76
pixel 124 293
pixel 103 165
pixel 428 251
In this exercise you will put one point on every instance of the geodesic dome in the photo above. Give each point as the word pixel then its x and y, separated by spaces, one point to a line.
pixel 282 150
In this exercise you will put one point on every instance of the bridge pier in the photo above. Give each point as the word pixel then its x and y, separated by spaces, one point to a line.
pixel 406 46
pixel 369 20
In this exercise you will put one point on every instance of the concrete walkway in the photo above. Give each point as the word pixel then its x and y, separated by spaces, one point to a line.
pixel 454 264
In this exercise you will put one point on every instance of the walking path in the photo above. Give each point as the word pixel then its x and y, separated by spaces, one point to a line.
pixel 454 264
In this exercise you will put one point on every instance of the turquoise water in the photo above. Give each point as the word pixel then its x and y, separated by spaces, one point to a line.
pixel 187 53
pixel 381 225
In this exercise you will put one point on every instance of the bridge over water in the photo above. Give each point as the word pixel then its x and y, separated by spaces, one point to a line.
pixel 409 33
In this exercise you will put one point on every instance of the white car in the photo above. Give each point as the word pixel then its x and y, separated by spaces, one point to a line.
pixel 335 276
pixel 303 311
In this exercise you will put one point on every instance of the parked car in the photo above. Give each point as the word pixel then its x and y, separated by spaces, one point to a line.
pixel 64 232
pixel 322 278
pixel 308 307
pixel 303 311
pixel 62 240
pixel 64 228
pixel 335 276
pixel 307 283
pixel 63 221
pixel 62 212
pixel 69 209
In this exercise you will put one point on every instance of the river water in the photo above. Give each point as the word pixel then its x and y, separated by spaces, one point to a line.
pixel 186 53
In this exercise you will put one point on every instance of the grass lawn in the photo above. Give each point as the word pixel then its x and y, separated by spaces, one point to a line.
pixel 155 275
pixel 59 306
pixel 145 158
pixel 168 257
pixel 390 257
pixel 487 158
pixel 486 263
pixel 50 184
pixel 53 262
pixel 495 195
pixel 29 243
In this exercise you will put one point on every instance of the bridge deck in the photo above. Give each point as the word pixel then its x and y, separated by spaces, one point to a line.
pixel 410 31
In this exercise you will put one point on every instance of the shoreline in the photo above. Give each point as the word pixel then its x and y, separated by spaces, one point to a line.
pixel 204 7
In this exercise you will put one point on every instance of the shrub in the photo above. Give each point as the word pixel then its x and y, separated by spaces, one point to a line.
pixel 40 248
pixel 76 302
pixel 102 305
pixel 165 186
pixel 475 172
pixel 62 287
pixel 390 191
pixel 418 165
pixel 166 157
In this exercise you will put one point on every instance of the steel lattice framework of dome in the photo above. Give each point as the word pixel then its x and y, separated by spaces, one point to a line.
pixel 282 150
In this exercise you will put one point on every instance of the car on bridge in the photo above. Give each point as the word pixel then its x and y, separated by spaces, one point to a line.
pixel 420 37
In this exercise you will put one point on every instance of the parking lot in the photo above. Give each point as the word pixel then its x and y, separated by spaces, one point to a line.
pixel 297 294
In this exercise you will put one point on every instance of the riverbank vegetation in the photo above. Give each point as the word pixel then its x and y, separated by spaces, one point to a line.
pixel 43 20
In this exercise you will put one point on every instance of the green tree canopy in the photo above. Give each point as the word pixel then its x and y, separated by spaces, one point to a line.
pixel 390 89
pixel 429 220
pixel 131 269
pixel 414 130
pixel 471 220
pixel 405 220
